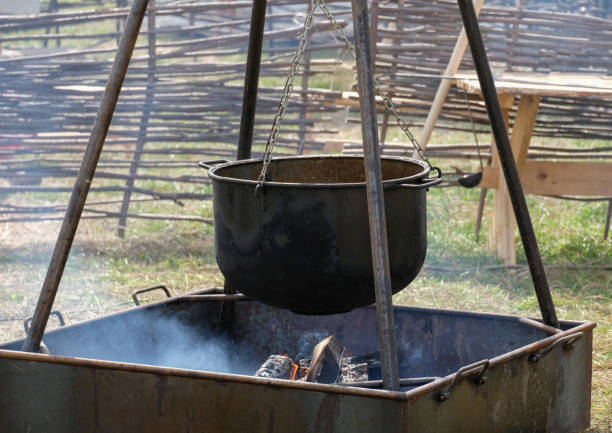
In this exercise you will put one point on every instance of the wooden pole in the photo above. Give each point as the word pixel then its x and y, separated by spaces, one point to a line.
pixel 144 122
pixel 479 213
pixel 607 223
pixel 444 87
pixel 52 9
pixel 376 205
pixel 119 22
pixel 85 176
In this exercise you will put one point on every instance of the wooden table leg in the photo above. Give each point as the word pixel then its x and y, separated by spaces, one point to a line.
pixel 523 128
pixel 502 208
pixel 501 233
pixel 607 223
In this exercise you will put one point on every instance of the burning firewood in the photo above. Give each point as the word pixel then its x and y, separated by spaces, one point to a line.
pixel 326 361
pixel 327 365
pixel 278 367
pixel 354 373
pixel 361 368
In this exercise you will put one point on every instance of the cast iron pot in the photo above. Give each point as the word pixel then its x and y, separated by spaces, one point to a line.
pixel 302 242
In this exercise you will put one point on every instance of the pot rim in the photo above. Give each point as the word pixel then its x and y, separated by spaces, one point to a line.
pixel 398 182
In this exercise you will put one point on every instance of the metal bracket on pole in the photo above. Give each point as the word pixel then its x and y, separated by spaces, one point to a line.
pixel 376 205
pixel 85 176
pixel 506 159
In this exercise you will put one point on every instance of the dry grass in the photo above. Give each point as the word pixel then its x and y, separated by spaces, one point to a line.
pixel 102 269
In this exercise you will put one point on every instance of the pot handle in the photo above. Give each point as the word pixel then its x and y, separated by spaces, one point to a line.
pixel 427 182
pixel 207 165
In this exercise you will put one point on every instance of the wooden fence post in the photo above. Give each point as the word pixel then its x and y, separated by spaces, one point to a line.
pixel 144 122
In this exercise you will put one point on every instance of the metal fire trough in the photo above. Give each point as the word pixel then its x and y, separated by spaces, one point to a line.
pixel 518 377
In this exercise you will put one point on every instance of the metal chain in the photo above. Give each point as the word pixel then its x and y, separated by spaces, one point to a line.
pixel 337 28
pixel 401 123
pixel 288 89
pixel 389 105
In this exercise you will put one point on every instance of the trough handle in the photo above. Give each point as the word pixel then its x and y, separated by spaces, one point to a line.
pixel 207 165
pixel 568 344
pixel 135 293
pixel 26 322
pixel 462 372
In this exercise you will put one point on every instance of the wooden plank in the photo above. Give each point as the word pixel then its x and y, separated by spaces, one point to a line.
pixel 580 178
pixel 522 129
pixel 326 360
pixel 554 84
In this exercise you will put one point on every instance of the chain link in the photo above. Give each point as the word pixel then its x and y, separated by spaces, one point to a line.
pixel 287 90
pixel 389 105
pixel 338 29
pixel 400 122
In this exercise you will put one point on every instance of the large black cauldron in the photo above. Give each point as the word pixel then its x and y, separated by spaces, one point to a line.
pixel 303 241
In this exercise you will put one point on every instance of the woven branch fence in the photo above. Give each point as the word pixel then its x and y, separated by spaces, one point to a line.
pixel 180 103
pixel 182 96
pixel 415 39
